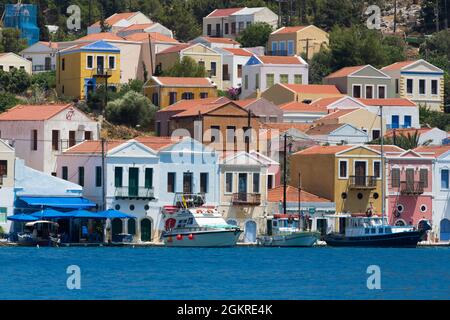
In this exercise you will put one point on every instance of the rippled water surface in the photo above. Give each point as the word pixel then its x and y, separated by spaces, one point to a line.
pixel 233 273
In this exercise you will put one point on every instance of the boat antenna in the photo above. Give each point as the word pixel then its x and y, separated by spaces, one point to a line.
pixel 285 173
pixel 382 167
pixel 299 199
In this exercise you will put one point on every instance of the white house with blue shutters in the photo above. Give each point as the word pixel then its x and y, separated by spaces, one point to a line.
pixel 441 192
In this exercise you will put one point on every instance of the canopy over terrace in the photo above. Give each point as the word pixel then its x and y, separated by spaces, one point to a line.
pixel 56 202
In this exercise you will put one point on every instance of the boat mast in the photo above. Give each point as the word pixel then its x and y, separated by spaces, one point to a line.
pixel 382 167
pixel 285 173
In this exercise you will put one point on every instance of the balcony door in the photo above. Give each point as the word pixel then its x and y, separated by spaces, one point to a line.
pixel 133 182
pixel 187 183
pixel 409 179
pixel 360 172
pixel 242 186
pixel 100 64
pixel 48 63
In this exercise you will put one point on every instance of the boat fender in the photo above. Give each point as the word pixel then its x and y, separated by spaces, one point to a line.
pixel 191 237
pixel 369 212
pixel 179 237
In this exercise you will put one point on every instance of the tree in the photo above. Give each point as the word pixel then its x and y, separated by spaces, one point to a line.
pixel 10 41
pixel 15 81
pixel 45 80
pixel 7 100
pixel 133 109
pixel 179 18
pixel 187 67
pixel 405 141
pixel 257 34
pixel 436 119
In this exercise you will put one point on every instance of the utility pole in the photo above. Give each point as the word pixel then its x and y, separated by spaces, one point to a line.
pixel 103 175
pixel 307 47
pixel 285 174
pixel 395 16
pixel 382 168
pixel 299 200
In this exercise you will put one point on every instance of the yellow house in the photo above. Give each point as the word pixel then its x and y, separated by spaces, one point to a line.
pixel 289 41
pixel 165 91
pixel 362 119
pixel 349 175
pixel 80 69
pixel 209 58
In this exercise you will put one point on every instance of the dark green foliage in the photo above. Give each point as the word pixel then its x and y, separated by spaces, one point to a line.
pixel 7 100
pixel 45 80
pixel 15 81
pixel 10 41
pixel 255 35
pixel 405 141
pixel 186 68
pixel 434 118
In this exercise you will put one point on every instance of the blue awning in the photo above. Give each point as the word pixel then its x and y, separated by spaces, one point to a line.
pixel 59 202
pixel 111 214
pixel 22 217
pixel 85 214
pixel 50 214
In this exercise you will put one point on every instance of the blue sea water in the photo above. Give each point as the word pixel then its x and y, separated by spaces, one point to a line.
pixel 232 273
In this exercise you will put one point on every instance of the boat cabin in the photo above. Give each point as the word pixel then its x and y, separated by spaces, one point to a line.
pixel 285 223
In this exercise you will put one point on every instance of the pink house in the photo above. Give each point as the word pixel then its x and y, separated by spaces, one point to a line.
pixel 409 188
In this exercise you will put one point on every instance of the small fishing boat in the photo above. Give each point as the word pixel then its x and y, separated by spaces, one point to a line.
pixel 284 230
pixel 374 231
pixel 39 233
pixel 197 227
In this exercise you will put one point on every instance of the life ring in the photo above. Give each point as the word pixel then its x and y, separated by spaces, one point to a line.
pixel 369 212
pixel 170 223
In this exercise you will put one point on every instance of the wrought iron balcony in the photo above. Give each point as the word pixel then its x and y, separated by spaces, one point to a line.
pixel 102 72
pixel 241 198
pixel 363 182
pixel 134 193
pixel 43 67
pixel 411 187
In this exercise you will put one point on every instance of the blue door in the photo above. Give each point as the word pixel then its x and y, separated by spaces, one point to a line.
pixel 274 47
pixel 282 48
pixel 445 230
pixel 290 45
pixel 407 121
pixel 395 122
pixel 89 86
pixel 250 231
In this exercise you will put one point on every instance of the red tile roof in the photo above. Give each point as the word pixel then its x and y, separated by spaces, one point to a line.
pixel 285 126
pixel 388 148
pixel 436 151
pixel 220 40
pixel 289 29
pixel 176 48
pixel 277 194
pixel 323 150
pixel 112 20
pixel 313 88
pixel 183 105
pixel 139 26
pixel 324 129
pixel 157 143
pixel 154 36
pixel 244 103
pixel 398 65
pixel 33 112
pixel 336 114
pixel 280 59
pixel 184 81
pixel 390 102
pixel 324 102
pixel 344 72
pixel 239 52
pixel 93 146
pixel 200 109
pixel 406 131
pixel 100 36
pixel 223 12
pixel 53 45
pixel 295 106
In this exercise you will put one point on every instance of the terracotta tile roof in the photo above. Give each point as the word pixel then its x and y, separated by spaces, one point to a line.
pixel 33 112
pixel 157 143
pixel 406 131
pixel 53 45
pixel 388 148
pixel 239 52
pixel 280 59
pixel 112 20
pixel 154 36
pixel 200 109
pixel 325 102
pixel 398 65
pixel 223 12
pixel 184 81
pixel 244 103
pixel 183 105
pixel 324 129
pixel 220 40
pixel 344 72
pixel 435 151
pixel 289 29
pixel 139 26
pixel 100 36
pixel 295 106
pixel 277 194
pixel 176 48
pixel 389 102
pixel 314 88
pixel 284 126
pixel 337 114
pixel 93 147
pixel 323 150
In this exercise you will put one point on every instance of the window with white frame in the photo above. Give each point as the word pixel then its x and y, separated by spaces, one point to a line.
pixel 377 169
pixel 369 92
pixel 382 92
pixel 356 91
pixel 112 62
pixel 343 169
pixel 228 182
pixel 89 62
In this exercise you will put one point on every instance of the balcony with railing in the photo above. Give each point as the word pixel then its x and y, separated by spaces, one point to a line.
pixel 189 200
pixel 411 187
pixel 134 193
pixel 226 77
pixel 241 198
pixel 398 126
pixel 43 67
pixel 363 182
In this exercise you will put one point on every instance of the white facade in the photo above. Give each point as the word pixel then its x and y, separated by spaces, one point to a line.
pixel 345 133
pixel 441 193
pixel 42 56
pixel 230 25
pixel 155 27
pixel 133 158
pixel 10 61
pixel 255 74
pixel 235 62
pixel 7 173
pixel 120 23
pixel 38 140
pixel 434 136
